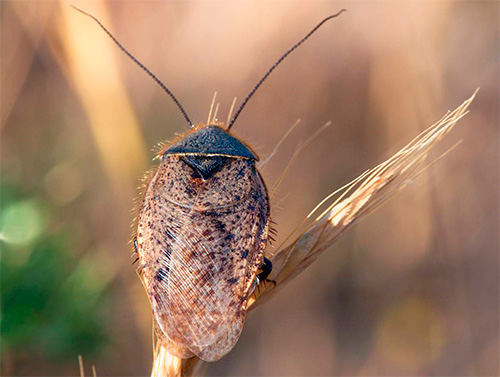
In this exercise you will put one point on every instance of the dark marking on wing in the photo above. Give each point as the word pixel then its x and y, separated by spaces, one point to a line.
pixel 162 274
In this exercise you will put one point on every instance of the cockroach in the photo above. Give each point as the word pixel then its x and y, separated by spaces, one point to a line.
pixel 202 228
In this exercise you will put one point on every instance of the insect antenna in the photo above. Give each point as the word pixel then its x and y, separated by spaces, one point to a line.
pixel 153 76
pixel 252 92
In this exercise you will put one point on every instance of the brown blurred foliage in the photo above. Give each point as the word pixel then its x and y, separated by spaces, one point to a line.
pixel 413 290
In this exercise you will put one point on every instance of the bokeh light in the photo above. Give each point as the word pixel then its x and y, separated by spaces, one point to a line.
pixel 22 222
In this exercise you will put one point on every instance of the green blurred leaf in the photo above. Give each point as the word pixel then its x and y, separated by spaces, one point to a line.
pixel 44 309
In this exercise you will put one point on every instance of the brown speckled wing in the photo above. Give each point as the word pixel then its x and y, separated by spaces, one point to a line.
pixel 201 243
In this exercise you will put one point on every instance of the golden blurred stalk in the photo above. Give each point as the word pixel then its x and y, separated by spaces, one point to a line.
pixel 166 365
pixel 91 66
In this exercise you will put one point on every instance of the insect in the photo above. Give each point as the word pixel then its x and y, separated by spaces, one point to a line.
pixel 202 229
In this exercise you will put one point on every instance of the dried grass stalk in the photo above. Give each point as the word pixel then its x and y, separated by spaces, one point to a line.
pixel 165 364
pixel 344 207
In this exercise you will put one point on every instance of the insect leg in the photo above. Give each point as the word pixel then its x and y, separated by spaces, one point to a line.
pixel 134 241
pixel 135 253
pixel 266 268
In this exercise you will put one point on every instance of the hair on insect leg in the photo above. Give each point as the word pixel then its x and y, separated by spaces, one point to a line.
pixel 272 229
pixel 259 286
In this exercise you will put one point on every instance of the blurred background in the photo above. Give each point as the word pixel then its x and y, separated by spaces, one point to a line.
pixel 412 290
